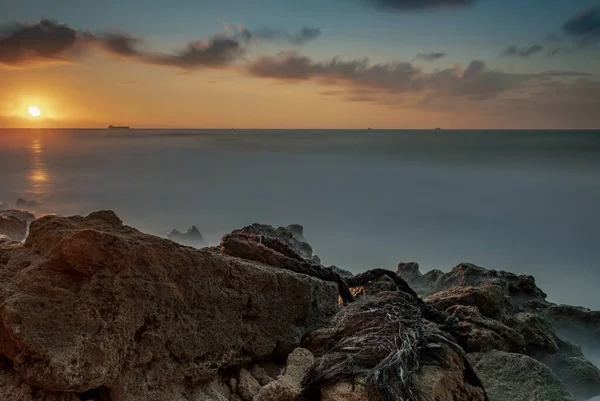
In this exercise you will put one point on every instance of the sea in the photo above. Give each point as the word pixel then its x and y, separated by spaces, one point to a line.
pixel 522 201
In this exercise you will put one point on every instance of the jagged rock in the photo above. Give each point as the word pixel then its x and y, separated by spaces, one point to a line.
pixel 511 377
pixel 490 299
pixel 284 235
pixel 248 386
pixel 142 315
pixel 289 386
pixel 479 334
pixel 539 335
pixel 260 375
pixel 423 284
pixel 345 391
pixel 341 272
pixel 447 381
pixel 13 228
pixel 27 205
pixel 577 325
pixel 191 237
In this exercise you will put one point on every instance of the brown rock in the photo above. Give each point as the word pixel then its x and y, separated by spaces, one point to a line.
pixel 345 391
pixel 289 386
pixel 490 299
pixel 142 315
pixel 479 334
pixel 260 375
pixel 248 386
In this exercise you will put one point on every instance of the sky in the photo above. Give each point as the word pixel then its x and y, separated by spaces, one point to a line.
pixel 352 64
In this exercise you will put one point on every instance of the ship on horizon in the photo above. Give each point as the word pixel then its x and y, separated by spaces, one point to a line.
pixel 119 127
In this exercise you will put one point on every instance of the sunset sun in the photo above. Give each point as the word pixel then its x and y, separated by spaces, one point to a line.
pixel 34 111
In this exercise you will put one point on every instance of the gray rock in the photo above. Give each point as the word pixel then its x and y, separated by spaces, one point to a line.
pixel 248 386
pixel 512 377
pixel 192 237
pixel 539 335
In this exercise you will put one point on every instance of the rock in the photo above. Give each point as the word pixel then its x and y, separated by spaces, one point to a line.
pixel 191 237
pixel 341 272
pixel 479 334
pixel 19 214
pixel 13 228
pixel 4 206
pixel 140 315
pixel 447 381
pixel 380 285
pixel 490 299
pixel 538 334
pixel 511 377
pixel 27 205
pixel 284 235
pixel 345 391
pixel 423 284
pixel 233 385
pixel 577 325
pixel 216 390
pixel 248 386
pixel 260 375
pixel 297 231
pixel 289 386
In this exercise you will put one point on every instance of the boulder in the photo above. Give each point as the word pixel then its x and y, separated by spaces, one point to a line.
pixel 289 386
pixel 577 325
pixel 13 228
pixel 423 284
pixel 27 205
pixel 286 236
pixel 248 386
pixel 382 284
pixel 192 237
pixel 511 377
pixel 19 214
pixel 538 334
pixel 261 375
pixel 140 315
pixel 478 333
pixel 490 299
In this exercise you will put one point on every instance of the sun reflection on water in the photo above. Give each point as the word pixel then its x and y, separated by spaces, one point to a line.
pixel 38 177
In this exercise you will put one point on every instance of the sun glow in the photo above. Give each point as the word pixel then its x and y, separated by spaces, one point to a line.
pixel 34 111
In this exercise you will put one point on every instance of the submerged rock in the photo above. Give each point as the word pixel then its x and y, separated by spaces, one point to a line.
pixel 511 377
pixel 192 237
pixel 140 315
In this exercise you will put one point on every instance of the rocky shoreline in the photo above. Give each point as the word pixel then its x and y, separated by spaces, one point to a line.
pixel 91 309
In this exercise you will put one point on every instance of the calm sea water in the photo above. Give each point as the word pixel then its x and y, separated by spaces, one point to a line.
pixel 527 202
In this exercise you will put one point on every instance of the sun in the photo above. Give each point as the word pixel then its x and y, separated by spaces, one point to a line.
pixel 34 111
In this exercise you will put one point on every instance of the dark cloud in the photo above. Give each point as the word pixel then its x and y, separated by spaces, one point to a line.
pixel 119 44
pixel 552 37
pixel 584 27
pixel 217 52
pixel 557 51
pixel 45 41
pixel 404 5
pixel 514 51
pixel 300 38
pixel 430 56
pixel 476 81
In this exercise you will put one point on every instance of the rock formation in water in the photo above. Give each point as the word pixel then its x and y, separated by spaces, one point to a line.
pixel 91 309
pixel 192 237
pixel 27 204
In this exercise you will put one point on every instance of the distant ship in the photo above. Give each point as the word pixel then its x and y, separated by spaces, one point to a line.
pixel 438 129
pixel 118 127
pixel 369 128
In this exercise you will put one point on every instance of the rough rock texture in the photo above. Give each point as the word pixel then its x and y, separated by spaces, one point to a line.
pixel 539 335
pixel 345 391
pixel 288 237
pixel 19 214
pixel 511 377
pixel 380 285
pixel 446 381
pixel 261 375
pixel 479 334
pixel 141 315
pixel 289 386
pixel 14 228
pixel 488 298
pixel 192 237
pixel 248 386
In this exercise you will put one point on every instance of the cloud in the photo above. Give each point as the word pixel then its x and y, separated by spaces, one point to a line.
pixel 305 35
pixel 23 45
pixel 45 41
pixel 584 27
pixel 514 51
pixel 430 56
pixel 552 37
pixel 406 5
pixel 476 81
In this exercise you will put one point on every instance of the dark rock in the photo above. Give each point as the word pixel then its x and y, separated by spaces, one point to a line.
pixel 512 377
pixel 423 284
pixel 539 335
pixel 382 284
pixel 480 334
pixel 13 228
pixel 490 299
pixel 192 237
pixel 27 205
pixel 140 315
pixel 577 325
pixel 341 272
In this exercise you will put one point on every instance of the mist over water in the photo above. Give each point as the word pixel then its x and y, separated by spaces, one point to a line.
pixel 526 202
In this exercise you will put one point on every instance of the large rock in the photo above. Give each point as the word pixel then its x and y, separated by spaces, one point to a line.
pixel 577 325
pixel 423 284
pixel 539 335
pixel 479 334
pixel 89 302
pixel 292 236
pixel 27 204
pixel 13 228
pixel 289 386
pixel 490 299
pixel 511 377
pixel 192 237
